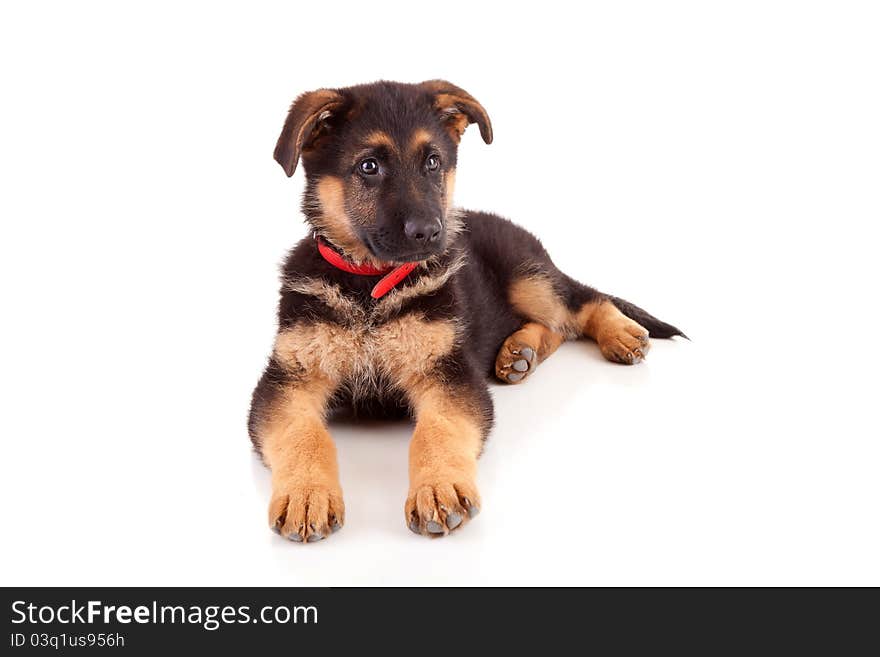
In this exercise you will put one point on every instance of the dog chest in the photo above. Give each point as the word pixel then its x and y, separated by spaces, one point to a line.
pixel 403 349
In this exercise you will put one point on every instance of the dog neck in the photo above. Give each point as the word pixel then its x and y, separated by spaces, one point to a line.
pixel 391 275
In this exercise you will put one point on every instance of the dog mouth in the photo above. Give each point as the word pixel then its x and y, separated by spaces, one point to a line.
pixel 399 256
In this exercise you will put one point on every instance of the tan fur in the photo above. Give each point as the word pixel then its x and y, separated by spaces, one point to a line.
pixel 403 351
pixel 442 458
pixel 533 296
pixel 419 139
pixel 333 221
pixel 620 339
pixel 454 222
pixel 546 340
pixel 306 496
pixel 454 105
pixel 540 339
pixel 456 122
pixel 379 138
pixel 409 348
pixel 449 189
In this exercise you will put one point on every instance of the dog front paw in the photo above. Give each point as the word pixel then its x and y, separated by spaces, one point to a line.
pixel 305 511
pixel 438 508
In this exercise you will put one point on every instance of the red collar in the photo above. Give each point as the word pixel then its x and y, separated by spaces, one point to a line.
pixel 391 275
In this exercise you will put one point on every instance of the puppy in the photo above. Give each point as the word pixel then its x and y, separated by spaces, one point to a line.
pixel 400 303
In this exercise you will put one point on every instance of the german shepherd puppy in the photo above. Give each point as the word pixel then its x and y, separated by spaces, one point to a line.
pixel 401 303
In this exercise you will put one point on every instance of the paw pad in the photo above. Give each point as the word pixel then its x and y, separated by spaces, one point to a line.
pixel 515 362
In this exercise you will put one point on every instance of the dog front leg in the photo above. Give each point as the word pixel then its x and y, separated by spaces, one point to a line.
pixel 289 430
pixel 451 424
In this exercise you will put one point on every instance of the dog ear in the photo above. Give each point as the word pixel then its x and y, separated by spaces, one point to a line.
pixel 458 109
pixel 305 121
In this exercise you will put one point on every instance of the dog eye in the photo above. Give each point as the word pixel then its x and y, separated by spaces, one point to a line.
pixel 369 167
pixel 432 163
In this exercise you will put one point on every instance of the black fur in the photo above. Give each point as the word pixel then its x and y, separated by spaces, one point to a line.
pixel 655 327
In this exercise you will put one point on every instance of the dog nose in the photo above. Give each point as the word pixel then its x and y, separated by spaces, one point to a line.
pixel 422 231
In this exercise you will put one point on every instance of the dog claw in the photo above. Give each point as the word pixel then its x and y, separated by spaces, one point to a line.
pixel 314 536
pixel 414 526
pixel 521 365
pixel 453 520
pixel 513 377
pixel 472 509
pixel 296 538
pixel 434 527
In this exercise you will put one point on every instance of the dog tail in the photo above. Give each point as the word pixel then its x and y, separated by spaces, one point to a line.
pixel 656 328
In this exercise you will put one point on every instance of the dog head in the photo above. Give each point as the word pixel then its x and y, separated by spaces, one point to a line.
pixel 380 165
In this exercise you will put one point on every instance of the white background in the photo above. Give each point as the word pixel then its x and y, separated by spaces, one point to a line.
pixel 715 163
